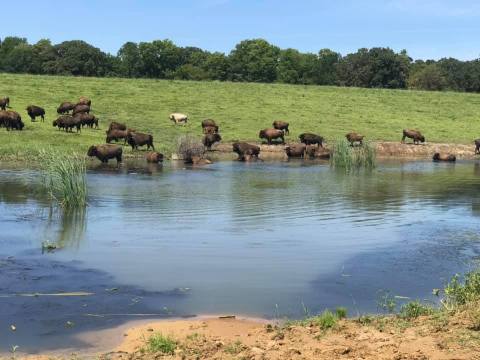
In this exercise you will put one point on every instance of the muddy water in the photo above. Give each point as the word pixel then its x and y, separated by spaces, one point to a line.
pixel 263 239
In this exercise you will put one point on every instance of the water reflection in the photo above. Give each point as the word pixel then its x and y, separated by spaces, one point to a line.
pixel 65 227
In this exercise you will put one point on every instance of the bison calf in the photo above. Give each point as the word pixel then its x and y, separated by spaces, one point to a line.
pixel 34 111
pixel 415 135
pixel 281 125
pixel 246 151
pixel 106 152
pixel 136 139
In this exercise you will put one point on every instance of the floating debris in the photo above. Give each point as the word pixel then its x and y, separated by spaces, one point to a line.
pixel 13 328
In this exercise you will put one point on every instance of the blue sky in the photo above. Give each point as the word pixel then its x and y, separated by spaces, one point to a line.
pixel 426 28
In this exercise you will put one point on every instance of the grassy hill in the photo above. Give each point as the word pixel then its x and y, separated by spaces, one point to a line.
pixel 241 109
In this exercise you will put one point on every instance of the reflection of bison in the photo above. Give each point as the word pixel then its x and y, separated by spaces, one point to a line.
pixel 477 146
pixel 271 134
pixel 11 120
pixel 65 107
pixel 106 152
pixel 444 157
pixel 281 125
pixel 246 151
pixel 295 150
pixel 80 108
pixel 34 111
pixel 115 135
pixel 210 139
pixel 154 157
pixel 136 139
pixel 311 139
pixel 354 138
pixel 4 103
pixel 84 101
pixel 116 126
pixel 413 134
pixel 178 118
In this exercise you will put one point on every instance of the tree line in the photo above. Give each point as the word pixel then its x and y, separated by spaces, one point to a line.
pixel 253 60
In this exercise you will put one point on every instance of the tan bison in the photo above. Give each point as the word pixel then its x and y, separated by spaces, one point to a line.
pixel 106 152
pixel 353 138
pixel 272 134
pixel 178 118
pixel 415 135
pixel 154 157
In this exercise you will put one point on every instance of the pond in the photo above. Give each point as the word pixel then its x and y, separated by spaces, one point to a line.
pixel 267 239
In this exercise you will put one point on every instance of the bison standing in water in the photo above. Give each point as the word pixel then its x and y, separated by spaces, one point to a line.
pixel 271 134
pixel 477 146
pixel 136 139
pixel 210 139
pixel 246 151
pixel 354 138
pixel 295 150
pixel 154 157
pixel 281 125
pixel 106 152
pixel 311 139
pixel 34 111
pixel 444 157
pixel 65 107
pixel 4 103
pixel 415 135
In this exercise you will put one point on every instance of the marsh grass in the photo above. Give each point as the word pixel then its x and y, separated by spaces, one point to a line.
pixel 159 343
pixel 346 157
pixel 189 146
pixel 65 178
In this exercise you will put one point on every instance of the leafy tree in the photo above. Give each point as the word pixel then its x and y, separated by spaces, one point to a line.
pixel 130 60
pixel 429 77
pixel 325 67
pixel 217 66
pixel 159 58
pixel 20 59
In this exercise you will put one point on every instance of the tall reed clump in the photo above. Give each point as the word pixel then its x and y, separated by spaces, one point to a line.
pixel 65 178
pixel 190 148
pixel 344 156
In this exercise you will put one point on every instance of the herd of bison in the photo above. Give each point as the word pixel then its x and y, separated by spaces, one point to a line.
pixel 77 115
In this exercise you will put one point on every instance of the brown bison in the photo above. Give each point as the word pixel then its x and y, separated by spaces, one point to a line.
pixel 11 120
pixel 281 125
pixel 106 152
pixel 4 103
pixel 209 123
pixel 444 157
pixel 116 126
pixel 154 157
pixel 84 101
pixel 271 134
pixel 354 138
pixel 311 139
pixel 136 139
pixel 80 108
pixel 210 130
pixel 115 135
pixel 67 123
pixel 34 111
pixel 210 139
pixel 477 146
pixel 295 150
pixel 65 107
pixel 246 151
pixel 413 134
pixel 88 120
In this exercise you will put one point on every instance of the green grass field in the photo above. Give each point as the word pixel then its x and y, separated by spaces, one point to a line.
pixel 241 110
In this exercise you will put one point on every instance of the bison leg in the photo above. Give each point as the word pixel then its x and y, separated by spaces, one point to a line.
pixel 119 158
pixel 43 118
pixel 403 139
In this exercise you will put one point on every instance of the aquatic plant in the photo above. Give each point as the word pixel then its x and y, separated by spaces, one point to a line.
pixel 159 343
pixel 190 147
pixel 344 156
pixel 65 178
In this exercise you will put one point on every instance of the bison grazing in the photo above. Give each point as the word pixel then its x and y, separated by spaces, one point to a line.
pixel 136 139
pixel 34 111
pixel 444 157
pixel 246 151
pixel 210 139
pixel 271 134
pixel 88 120
pixel 4 103
pixel 413 134
pixel 116 126
pixel 354 138
pixel 281 125
pixel 296 150
pixel 311 139
pixel 11 120
pixel 65 107
pixel 68 122
pixel 80 108
pixel 106 152
pixel 477 146
pixel 154 157
pixel 178 118
pixel 84 101
pixel 115 135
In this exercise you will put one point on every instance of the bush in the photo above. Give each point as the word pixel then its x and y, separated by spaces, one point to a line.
pixel 159 343
pixel 325 320
pixel 414 309
pixel 341 312
pixel 458 293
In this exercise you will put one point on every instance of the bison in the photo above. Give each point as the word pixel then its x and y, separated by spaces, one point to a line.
pixel 11 120
pixel 209 122
pixel 136 139
pixel 281 125
pixel 154 157
pixel 477 146
pixel 67 123
pixel 178 118
pixel 34 111
pixel 210 139
pixel 210 129
pixel 354 138
pixel 246 151
pixel 413 134
pixel 88 120
pixel 4 103
pixel 80 108
pixel 116 126
pixel 296 150
pixel 311 139
pixel 84 101
pixel 444 157
pixel 115 135
pixel 106 152
pixel 65 107
pixel 271 134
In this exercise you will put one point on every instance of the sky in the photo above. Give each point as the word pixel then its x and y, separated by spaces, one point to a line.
pixel 428 29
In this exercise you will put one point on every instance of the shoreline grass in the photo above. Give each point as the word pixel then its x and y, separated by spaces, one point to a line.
pixel 346 157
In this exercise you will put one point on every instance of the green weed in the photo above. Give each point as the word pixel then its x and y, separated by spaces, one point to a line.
pixel 159 343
